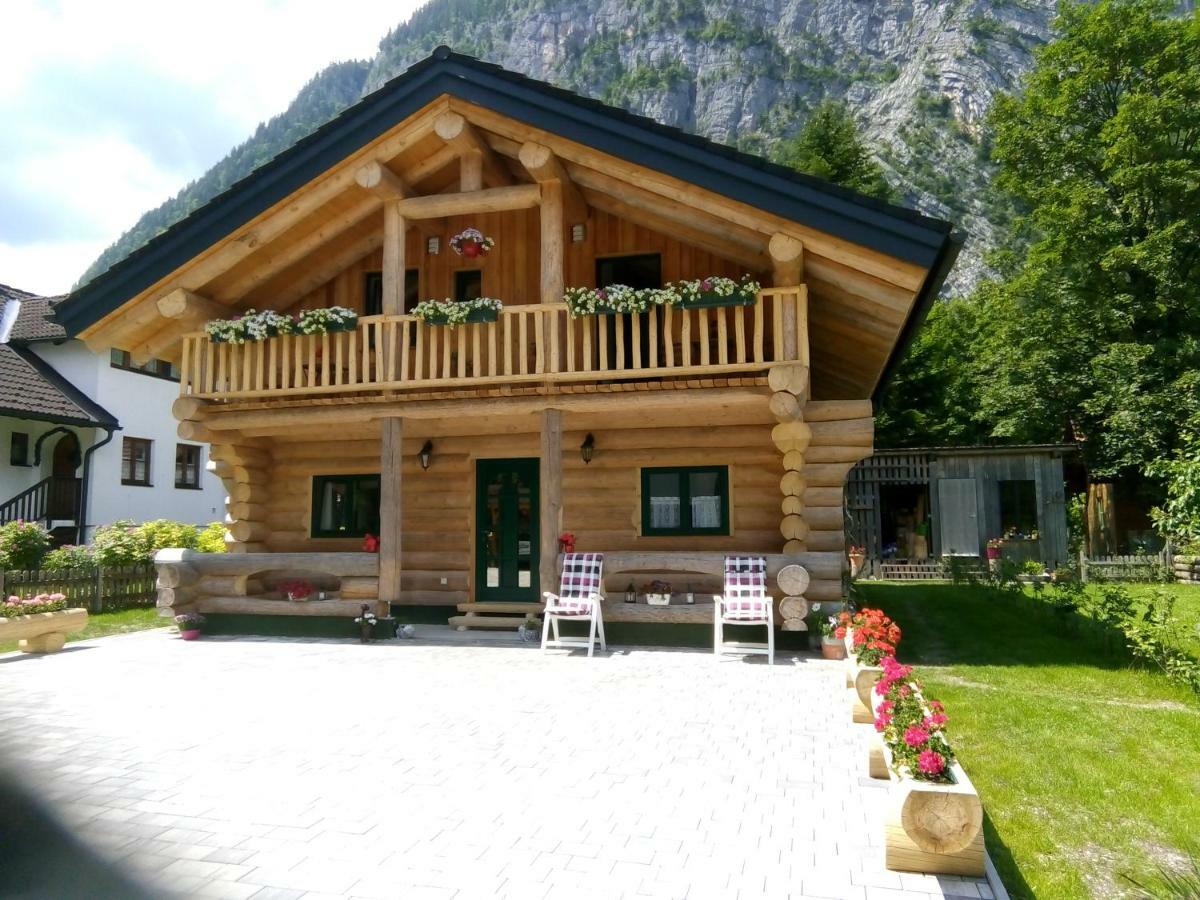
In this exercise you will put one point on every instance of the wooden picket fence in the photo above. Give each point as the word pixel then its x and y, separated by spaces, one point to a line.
pixel 1142 567
pixel 97 590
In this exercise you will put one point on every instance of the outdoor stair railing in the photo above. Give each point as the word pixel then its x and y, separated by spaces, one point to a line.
pixel 55 497
pixel 536 343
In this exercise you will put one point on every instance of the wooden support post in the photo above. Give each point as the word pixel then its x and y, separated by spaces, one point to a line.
pixel 550 486
pixel 393 259
pixel 787 259
pixel 390 506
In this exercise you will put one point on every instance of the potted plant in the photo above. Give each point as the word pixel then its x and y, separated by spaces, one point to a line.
pixel 366 623
pixel 190 625
pixel 658 593
pixel 471 243
pixel 614 300
pixel 832 647
pixel 857 556
pixel 714 291
pixel 454 312
pixel 297 589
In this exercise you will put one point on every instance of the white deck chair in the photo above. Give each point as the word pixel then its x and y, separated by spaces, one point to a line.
pixel 579 597
pixel 744 602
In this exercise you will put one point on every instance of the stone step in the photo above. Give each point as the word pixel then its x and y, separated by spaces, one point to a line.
pixel 462 623
pixel 501 608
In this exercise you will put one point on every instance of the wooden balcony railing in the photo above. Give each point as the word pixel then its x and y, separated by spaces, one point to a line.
pixel 528 344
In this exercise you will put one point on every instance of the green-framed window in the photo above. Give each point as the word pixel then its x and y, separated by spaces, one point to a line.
pixel 685 500
pixel 345 505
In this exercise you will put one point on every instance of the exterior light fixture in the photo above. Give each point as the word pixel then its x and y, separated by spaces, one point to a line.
pixel 434 246
pixel 578 233
pixel 426 454
pixel 587 448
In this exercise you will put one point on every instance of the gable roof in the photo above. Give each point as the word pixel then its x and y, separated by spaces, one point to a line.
pixel 889 229
pixel 30 388
pixel 33 322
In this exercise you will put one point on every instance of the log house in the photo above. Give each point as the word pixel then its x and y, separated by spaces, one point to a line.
pixel 707 430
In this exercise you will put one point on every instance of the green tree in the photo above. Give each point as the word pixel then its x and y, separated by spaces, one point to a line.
pixel 830 147
pixel 1098 332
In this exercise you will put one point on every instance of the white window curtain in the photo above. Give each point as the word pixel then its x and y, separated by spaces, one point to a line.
pixel 706 512
pixel 664 512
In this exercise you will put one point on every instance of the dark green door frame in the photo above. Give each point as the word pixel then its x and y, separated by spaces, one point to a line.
pixel 506 529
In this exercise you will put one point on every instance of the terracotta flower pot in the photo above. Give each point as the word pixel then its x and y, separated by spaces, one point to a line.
pixel 833 648
pixel 189 634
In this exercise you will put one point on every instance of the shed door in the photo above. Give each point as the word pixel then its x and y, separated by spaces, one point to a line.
pixel 959 517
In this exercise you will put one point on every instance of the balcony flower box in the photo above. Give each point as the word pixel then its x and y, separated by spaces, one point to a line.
pixel 710 293
pixel 451 313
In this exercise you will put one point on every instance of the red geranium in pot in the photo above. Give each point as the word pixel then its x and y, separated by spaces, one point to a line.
pixel 471 243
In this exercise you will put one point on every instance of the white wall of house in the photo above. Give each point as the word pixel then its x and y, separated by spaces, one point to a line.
pixel 142 404
pixel 15 479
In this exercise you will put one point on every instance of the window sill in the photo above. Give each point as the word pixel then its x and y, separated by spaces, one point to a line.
pixel 188 487
pixel 125 483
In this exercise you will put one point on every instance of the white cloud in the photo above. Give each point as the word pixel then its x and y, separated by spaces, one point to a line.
pixel 110 108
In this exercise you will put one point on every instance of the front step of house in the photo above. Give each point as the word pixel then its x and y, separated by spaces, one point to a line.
pixel 497 615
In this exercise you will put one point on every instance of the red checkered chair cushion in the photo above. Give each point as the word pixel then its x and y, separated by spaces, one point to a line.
pixel 582 584
pixel 745 596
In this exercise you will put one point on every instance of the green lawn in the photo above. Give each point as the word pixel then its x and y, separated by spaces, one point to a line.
pixel 106 623
pixel 1088 766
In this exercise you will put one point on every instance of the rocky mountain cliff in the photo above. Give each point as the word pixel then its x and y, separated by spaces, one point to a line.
pixel 920 75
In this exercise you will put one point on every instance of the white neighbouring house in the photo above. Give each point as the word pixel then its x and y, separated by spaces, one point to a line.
pixel 85 438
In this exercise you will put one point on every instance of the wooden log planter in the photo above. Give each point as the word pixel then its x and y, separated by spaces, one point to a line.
pixel 861 681
pixel 43 632
pixel 247 583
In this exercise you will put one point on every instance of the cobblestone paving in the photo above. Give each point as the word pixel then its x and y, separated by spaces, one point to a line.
pixel 300 768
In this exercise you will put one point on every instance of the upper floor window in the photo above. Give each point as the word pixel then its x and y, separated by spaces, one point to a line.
pixel 373 291
pixel 187 466
pixel 135 461
pixel 18 451
pixel 159 368
pixel 685 500
pixel 640 270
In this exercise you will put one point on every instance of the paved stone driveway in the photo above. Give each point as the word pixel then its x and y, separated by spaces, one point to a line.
pixel 288 768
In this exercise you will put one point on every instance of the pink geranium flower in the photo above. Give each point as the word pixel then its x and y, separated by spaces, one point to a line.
pixel 915 736
pixel 931 762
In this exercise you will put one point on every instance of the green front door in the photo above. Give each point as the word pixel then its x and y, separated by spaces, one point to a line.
pixel 506 529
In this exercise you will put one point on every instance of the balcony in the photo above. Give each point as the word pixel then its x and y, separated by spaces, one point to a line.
pixel 530 345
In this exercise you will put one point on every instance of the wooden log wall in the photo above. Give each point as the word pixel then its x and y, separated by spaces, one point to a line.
pixel 601 499
pixel 511 271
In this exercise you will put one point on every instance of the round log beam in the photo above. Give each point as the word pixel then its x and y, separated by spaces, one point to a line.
pixel 793 528
pixel 785 407
pixel 793 580
pixel 792 378
pixel 793 608
pixel 792 484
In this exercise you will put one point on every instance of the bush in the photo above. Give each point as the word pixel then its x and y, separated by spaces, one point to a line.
pixel 70 556
pixel 23 545
pixel 125 544
pixel 212 538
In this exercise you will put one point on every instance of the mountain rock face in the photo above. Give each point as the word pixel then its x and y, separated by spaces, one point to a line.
pixel 920 76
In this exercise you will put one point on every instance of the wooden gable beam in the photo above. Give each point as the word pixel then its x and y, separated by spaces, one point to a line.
pixel 476 160
pixel 544 167
pixel 382 181
pixel 502 199
pixel 183 311
pixel 293 284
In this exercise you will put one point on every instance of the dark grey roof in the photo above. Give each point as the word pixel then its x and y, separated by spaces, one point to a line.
pixel 32 322
pixel 30 388
pixel 889 229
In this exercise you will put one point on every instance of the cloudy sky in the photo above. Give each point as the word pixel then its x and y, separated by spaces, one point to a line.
pixel 111 107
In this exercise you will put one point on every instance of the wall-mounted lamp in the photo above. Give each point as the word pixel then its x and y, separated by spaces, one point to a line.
pixel 426 454
pixel 587 448
pixel 578 233
pixel 434 246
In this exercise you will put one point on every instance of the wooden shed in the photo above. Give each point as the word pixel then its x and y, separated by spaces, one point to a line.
pixel 909 508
